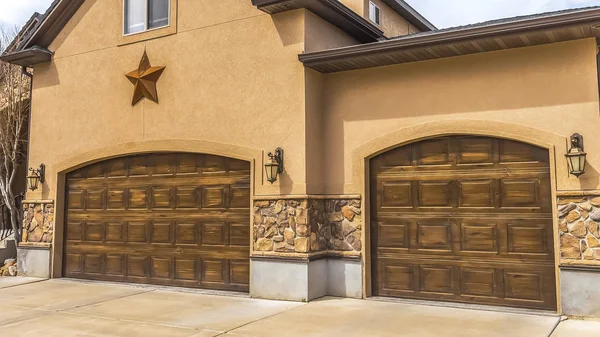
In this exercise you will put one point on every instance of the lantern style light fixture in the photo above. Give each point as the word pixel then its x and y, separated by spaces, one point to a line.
pixel 36 177
pixel 274 165
pixel 576 156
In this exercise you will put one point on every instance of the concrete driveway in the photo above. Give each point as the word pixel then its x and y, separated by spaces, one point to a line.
pixel 73 308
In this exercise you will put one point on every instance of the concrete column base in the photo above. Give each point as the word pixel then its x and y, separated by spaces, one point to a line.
pixel 579 291
pixel 344 278
pixel 33 261
pixel 305 280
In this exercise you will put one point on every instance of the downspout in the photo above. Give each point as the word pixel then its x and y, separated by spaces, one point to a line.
pixel 598 66
pixel 19 203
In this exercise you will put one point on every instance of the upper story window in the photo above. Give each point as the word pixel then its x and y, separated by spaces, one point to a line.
pixel 374 13
pixel 143 15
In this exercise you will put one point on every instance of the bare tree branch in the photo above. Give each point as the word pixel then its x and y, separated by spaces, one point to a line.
pixel 14 107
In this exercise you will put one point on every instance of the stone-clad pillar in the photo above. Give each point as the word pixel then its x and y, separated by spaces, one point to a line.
pixel 579 236
pixel 33 252
pixel 301 237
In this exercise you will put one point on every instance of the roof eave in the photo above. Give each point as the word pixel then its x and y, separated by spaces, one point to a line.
pixel 332 11
pixel 28 57
pixel 321 59
pixel 53 22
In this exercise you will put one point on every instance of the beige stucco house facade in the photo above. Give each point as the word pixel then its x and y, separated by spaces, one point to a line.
pixel 417 163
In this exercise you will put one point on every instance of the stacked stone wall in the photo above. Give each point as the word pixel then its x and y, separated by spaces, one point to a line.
pixel 38 222
pixel 579 228
pixel 307 226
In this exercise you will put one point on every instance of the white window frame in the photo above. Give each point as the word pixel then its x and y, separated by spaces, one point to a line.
pixel 145 19
pixel 374 13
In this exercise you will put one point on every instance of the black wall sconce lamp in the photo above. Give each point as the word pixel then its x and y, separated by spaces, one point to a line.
pixel 36 177
pixel 576 156
pixel 274 165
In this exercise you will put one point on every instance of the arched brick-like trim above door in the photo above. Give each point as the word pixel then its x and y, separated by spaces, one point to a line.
pixel 178 219
pixel 465 219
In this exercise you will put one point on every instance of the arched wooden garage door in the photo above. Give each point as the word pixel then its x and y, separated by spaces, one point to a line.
pixel 464 219
pixel 167 219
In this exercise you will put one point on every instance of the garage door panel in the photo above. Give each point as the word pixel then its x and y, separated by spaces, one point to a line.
pixel 75 199
pixel 93 264
pixel 475 150
pixel 185 269
pixel 478 281
pixel 137 198
pixel 477 237
pixel 239 272
pixel 476 194
pixel 145 181
pixel 94 199
pixel 116 168
pixel 434 235
pixel 202 215
pixel 168 219
pixel 186 234
pixel 397 277
pixel 435 194
pixel 465 219
pixel 161 267
pixel 115 265
pixel 116 199
pixel 523 286
pixel 73 263
pixel 137 232
pixel 239 235
pixel 436 279
pixel 214 197
pixel 162 233
pixel 137 266
pixel 394 235
pixel 396 194
pixel 187 198
pixel 433 152
pixel 240 197
pixel 75 231
pixel 530 286
pixel 163 165
pixel 94 231
pixel 520 193
pixel 214 234
pixel 530 238
pixel 115 232
pixel 515 152
pixel 161 197
pixel 213 271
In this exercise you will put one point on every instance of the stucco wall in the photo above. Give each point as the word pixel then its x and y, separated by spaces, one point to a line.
pixel 392 24
pixel 358 6
pixel 232 77
pixel 551 88
pixel 321 35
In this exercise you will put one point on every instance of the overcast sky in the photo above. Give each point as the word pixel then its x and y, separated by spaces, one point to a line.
pixel 449 13
pixel 442 13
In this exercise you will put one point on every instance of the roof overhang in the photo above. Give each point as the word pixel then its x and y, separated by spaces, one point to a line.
pixel 28 57
pixel 60 12
pixel 332 11
pixel 33 49
pixel 410 14
pixel 543 29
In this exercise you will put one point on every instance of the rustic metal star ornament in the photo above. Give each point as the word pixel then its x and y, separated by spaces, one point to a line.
pixel 144 80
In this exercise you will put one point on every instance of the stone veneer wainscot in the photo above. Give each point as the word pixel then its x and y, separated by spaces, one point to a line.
pixel 38 222
pixel 579 229
pixel 307 225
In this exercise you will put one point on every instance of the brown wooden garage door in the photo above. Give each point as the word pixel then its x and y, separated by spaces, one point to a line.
pixel 168 219
pixel 464 219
